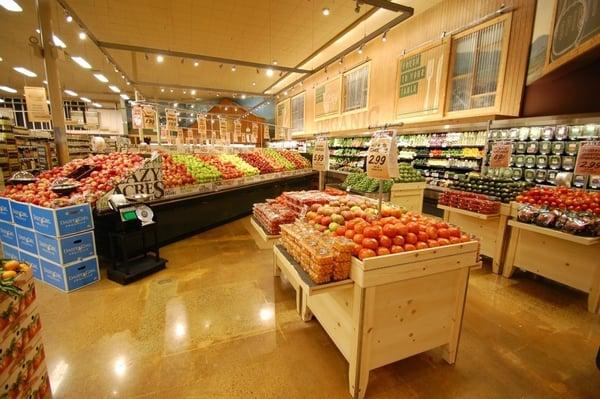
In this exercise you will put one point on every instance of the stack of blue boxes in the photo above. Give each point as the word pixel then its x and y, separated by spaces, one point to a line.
pixel 57 243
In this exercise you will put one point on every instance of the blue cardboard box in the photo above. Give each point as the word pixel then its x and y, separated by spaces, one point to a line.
pixel 62 221
pixel 10 252
pixel 26 240
pixel 63 250
pixel 8 235
pixel 21 214
pixel 5 213
pixel 32 260
pixel 73 276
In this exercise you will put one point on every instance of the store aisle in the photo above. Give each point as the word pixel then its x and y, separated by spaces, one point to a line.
pixel 216 324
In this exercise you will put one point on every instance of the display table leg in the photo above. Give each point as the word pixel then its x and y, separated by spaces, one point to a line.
pixel 500 244
pixel 509 262
pixel 450 350
pixel 594 295
pixel 362 320
pixel 276 271
pixel 305 312
pixel 446 216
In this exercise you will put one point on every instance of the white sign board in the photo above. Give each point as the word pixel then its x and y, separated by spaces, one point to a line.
pixel 37 106
pixel 320 159
pixel 382 157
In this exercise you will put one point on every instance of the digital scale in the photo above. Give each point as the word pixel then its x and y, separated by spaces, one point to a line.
pixel 134 222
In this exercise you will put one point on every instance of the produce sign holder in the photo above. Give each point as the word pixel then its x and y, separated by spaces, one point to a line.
pixel 534 248
pixel 389 312
pixel 408 195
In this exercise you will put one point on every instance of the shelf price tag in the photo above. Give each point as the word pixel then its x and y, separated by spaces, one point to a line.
pixel 588 158
pixel 320 160
pixel 382 157
pixel 500 156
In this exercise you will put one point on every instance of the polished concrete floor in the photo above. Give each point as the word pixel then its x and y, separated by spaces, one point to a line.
pixel 216 324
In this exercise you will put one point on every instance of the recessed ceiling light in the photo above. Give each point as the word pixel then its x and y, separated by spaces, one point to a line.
pixel 81 62
pixel 85 99
pixel 274 62
pixel 38 31
pixel 101 77
pixel 11 5
pixel 162 90
pixel 171 90
pixel 253 83
pixel 193 92
pixel 325 11
pixel 1 59
pixel 7 89
pixel 160 58
pixel 243 96
pixel 45 82
pixel 285 93
pixel 82 35
pixel 233 68
pixel 71 93
pixel 218 94
pixel 114 88
pixel 69 18
pixel 175 104
pixel 25 71
pixel 97 105
pixel 57 42
pixel 1 100
pixel 124 96
pixel 192 105
pixel 384 37
pixel 269 72
pixel 185 92
pixel 128 83
pixel 196 63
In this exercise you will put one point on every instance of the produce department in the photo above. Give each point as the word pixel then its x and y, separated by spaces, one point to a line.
pixel 199 199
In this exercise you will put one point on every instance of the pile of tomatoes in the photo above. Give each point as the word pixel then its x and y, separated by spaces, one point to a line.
pixel 390 235
pixel 562 198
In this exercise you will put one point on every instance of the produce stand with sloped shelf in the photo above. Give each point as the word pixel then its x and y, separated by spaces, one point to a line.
pixel 490 229
pixel 409 195
pixel 566 258
pixel 387 310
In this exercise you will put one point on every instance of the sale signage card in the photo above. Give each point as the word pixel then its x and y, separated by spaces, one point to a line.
pixel 382 157
pixel 501 153
pixel 320 159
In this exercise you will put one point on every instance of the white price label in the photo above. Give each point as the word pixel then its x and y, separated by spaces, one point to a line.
pixel 382 157
pixel 320 159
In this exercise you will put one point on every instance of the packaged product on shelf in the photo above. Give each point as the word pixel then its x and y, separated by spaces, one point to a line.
pixel 272 215
pixel 478 203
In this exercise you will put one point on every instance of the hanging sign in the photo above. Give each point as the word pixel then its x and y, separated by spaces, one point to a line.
pixel 137 117
pixel 201 121
pixel 500 156
pixel 320 159
pixel 382 157
pixel 237 130
pixel 171 116
pixel 149 117
pixel 588 158
pixel 223 131
pixel 328 98
pixel 37 105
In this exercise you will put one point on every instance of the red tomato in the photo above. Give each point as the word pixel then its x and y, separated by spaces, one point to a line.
pixel 356 249
pixel 441 225
pixel 421 245
pixel 385 241
pixel 370 243
pixel 401 229
pixel 443 241
pixel 433 243
pixel 454 240
pixel 465 238
pixel 454 232
pixel 349 234
pixel 413 227
pixel 370 231
pixel 351 223
pixel 382 251
pixel 398 240
pixel 432 232
pixel 341 231
pixel 358 238
pixel 396 212
pixel 396 249
pixel 409 247
pixel 443 233
pixel 390 230
pixel 360 227
pixel 422 236
pixel 366 253
pixel 411 238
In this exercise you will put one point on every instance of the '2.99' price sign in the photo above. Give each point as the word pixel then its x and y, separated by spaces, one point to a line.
pixel 500 156
pixel 588 158
pixel 320 159
pixel 382 157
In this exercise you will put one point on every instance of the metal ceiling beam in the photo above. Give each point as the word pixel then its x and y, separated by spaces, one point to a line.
pixel 202 57
pixel 216 90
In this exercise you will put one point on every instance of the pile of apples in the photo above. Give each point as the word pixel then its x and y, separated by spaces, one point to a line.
pixel 240 164
pixel 294 157
pixel 175 174
pixel 202 172
pixel 276 158
pixel 256 160
pixel 227 169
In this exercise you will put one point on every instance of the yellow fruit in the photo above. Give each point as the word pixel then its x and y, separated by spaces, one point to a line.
pixel 8 274
pixel 11 265
pixel 24 267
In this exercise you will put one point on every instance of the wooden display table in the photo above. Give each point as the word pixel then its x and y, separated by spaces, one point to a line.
pixel 409 195
pixel 391 308
pixel 566 258
pixel 490 229
pixel 264 240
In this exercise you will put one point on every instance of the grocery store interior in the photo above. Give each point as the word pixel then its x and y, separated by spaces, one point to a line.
pixel 299 199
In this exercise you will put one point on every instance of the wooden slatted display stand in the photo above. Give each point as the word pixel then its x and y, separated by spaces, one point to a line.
pixel 492 230
pixel 391 308
pixel 566 258
pixel 263 240
pixel 409 195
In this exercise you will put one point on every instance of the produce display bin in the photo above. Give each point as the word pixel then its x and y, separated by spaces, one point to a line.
pixel 391 308
pixel 26 240
pixel 264 239
pixel 492 230
pixel 409 195
pixel 63 221
pixel 8 234
pixel 566 258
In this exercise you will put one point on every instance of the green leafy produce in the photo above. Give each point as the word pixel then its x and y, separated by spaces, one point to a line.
pixel 363 183
pixel 505 190
pixel 408 174
pixel 200 170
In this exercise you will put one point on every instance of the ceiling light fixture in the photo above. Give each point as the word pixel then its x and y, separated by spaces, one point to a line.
pixel 70 93
pixel 218 94
pixel 253 83
pixel 175 105
pixel 85 99
pixel 162 90
pixel 97 105
pixel 38 31
pixel 81 62
pixel 101 77
pixel 274 62
pixel 325 11
pixel 128 83
pixel 360 49
pixel 124 96
pixel 185 92
pixel 160 58
pixel 285 93
pixel 45 82
pixel 243 96
pixel 25 71
pixel 384 37
pixel 269 72
pixel 193 92
pixel 69 18
pixel 11 5
pixel 233 68
pixel 114 89
pixel 171 90
pixel 196 63
pixel 7 89
pixel 57 42
pixel 82 36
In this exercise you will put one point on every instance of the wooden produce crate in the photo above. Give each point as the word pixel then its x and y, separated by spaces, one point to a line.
pixel 409 195
pixel 492 230
pixel 391 308
pixel 566 258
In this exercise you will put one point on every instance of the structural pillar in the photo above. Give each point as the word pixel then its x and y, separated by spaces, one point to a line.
pixel 53 78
